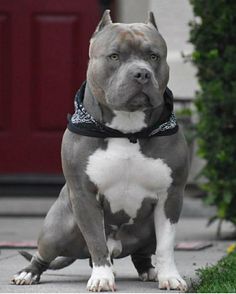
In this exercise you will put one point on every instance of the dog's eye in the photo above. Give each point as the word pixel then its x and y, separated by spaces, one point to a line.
pixel 154 57
pixel 114 57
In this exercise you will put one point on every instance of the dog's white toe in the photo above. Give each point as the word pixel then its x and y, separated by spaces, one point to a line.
pixel 102 279
pixel 25 278
pixel 173 283
pixel 149 275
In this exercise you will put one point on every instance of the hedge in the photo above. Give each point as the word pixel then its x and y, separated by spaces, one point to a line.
pixel 213 34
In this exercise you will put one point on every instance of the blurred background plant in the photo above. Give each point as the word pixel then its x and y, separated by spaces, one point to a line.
pixel 213 34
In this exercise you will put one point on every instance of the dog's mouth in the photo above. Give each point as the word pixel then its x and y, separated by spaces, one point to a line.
pixel 139 101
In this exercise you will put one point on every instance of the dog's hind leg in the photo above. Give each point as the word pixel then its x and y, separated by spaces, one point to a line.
pixel 40 262
pixel 58 263
pixel 31 274
pixel 47 252
pixel 58 234
pixel 142 260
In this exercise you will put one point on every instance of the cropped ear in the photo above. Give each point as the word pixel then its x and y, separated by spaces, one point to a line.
pixel 105 20
pixel 151 20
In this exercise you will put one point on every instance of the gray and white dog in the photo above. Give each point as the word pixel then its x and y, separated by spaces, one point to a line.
pixel 121 197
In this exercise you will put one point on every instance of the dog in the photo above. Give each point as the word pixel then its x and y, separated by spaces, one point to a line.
pixel 125 163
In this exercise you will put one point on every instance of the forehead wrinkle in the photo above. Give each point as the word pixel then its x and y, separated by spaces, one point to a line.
pixel 125 35
pixel 130 39
pixel 139 33
pixel 150 34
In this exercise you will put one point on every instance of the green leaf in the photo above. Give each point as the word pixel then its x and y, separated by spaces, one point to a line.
pixel 228 196
pixel 213 53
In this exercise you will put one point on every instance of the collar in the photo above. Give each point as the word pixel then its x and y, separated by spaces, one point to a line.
pixel 82 123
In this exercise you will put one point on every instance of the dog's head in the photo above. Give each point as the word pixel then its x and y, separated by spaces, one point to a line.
pixel 127 67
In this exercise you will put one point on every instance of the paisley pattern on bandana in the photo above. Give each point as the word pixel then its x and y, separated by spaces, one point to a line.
pixel 81 115
pixel 170 124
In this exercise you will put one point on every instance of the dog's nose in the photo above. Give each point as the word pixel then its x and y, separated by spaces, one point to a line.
pixel 142 76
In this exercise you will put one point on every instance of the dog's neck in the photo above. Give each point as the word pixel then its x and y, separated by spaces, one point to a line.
pixel 105 115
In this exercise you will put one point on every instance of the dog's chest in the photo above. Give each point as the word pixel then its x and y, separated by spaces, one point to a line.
pixel 126 177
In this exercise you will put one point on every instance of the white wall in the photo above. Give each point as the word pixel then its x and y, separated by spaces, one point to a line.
pixel 132 10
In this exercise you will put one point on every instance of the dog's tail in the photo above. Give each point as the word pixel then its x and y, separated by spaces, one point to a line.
pixel 58 263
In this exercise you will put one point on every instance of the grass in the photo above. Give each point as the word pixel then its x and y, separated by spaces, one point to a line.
pixel 220 278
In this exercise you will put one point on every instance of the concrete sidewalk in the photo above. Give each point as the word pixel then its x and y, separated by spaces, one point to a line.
pixel 74 277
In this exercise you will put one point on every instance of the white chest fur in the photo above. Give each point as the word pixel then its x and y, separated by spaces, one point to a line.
pixel 126 177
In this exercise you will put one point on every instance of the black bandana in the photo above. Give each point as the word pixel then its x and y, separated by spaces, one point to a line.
pixel 81 122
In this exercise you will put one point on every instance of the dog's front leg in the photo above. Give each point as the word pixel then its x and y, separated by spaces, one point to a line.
pixel 165 216
pixel 89 217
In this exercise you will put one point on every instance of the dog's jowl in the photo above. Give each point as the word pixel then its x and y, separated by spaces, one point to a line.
pixel 125 163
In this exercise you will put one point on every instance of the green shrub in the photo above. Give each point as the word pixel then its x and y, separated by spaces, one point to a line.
pixel 213 34
pixel 219 278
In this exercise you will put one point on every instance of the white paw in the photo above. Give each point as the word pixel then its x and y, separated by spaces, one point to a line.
pixel 102 279
pixel 174 282
pixel 150 275
pixel 24 278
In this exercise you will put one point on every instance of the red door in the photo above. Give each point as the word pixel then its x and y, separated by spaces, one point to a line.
pixel 43 59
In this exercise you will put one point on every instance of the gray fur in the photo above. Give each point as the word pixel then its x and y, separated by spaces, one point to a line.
pixel 56 264
pixel 78 223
